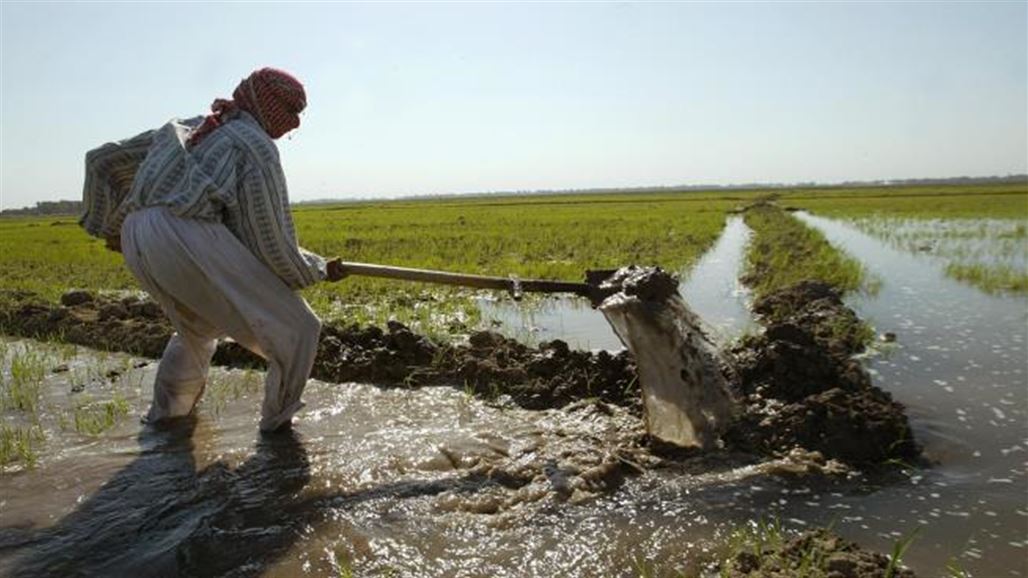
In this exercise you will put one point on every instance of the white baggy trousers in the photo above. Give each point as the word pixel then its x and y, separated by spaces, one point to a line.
pixel 210 285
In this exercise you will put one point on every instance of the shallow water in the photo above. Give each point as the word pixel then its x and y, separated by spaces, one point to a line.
pixel 387 481
pixel 959 366
pixel 711 288
pixel 992 242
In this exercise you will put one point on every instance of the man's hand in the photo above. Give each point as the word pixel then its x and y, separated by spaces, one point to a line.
pixel 114 243
pixel 335 270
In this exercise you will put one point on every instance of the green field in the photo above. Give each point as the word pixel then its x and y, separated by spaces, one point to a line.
pixel 553 237
pixel 978 233
pixel 544 236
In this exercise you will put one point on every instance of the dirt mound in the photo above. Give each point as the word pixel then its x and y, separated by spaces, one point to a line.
pixel 819 552
pixel 551 375
pixel 800 385
pixel 127 324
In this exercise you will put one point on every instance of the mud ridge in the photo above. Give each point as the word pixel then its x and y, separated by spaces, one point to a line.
pixel 548 376
pixel 800 385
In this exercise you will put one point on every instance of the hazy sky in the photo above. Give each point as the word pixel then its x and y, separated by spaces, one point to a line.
pixel 462 97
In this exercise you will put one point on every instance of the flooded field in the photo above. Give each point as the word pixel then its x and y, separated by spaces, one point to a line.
pixel 987 253
pixel 958 364
pixel 435 481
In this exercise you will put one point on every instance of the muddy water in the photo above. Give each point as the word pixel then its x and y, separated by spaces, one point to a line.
pixel 959 365
pixel 711 288
pixel 426 482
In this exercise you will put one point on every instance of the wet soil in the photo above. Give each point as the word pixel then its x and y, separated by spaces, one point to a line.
pixel 800 385
pixel 838 558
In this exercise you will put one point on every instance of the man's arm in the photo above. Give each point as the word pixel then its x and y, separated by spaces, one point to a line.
pixel 266 225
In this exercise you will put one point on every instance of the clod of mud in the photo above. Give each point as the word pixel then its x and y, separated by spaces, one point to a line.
pixel 839 558
pixel 800 385
pixel 76 297
pixel 489 364
pixel 127 324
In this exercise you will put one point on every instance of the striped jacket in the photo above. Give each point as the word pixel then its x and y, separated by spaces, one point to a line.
pixel 233 176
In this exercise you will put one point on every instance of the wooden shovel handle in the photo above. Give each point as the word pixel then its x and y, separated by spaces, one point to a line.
pixel 512 284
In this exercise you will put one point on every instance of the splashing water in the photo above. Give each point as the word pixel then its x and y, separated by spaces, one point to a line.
pixel 680 370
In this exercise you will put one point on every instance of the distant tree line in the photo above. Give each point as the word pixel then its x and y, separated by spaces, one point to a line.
pixel 44 208
pixel 963 180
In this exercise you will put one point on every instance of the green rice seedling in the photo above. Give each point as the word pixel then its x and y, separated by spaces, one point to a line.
pixel 340 562
pixel 766 542
pixel 943 201
pixel 96 418
pixel 955 570
pixel 978 232
pixel 645 569
pixel 899 549
pixel 20 444
pixel 994 279
pixel 224 388
pixel 756 536
pixel 20 387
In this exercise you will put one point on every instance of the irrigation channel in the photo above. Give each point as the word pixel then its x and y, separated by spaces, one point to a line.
pixel 959 367
pixel 711 288
pixel 391 481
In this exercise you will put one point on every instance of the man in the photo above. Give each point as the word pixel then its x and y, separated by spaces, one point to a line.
pixel 200 212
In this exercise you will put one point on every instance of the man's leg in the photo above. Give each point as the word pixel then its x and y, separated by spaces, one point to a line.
pixel 181 375
pixel 290 352
pixel 182 372
pixel 210 279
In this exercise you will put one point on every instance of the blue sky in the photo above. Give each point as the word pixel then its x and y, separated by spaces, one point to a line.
pixel 465 97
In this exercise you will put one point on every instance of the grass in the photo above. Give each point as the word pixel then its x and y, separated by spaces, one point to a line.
pixel 979 233
pixel 994 279
pixel 94 418
pixel 555 237
pixel 899 549
pixel 944 202
pixel 224 388
pixel 544 236
pixel 770 547
pixel 20 384
pixel 20 444
pixel 784 251
pixel 340 562
pixel 991 254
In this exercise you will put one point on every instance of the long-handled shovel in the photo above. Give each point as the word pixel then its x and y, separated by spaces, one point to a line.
pixel 680 368
pixel 513 285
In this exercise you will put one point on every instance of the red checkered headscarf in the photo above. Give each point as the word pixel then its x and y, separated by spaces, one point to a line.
pixel 274 97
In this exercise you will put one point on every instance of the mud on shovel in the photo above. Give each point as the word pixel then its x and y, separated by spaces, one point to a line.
pixel 680 369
